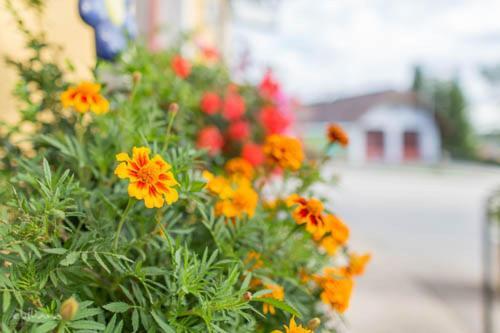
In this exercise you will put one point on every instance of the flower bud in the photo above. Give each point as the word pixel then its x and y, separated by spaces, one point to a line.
pixel 174 107
pixel 247 296
pixel 313 323
pixel 69 309
pixel 136 77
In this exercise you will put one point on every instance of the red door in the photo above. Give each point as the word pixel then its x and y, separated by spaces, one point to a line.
pixel 375 145
pixel 411 145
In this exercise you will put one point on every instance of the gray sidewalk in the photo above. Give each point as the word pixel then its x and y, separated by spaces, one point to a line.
pixel 423 226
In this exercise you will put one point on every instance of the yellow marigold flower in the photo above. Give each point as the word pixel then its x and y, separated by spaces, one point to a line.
pixel 218 185
pixel 277 292
pixel 337 134
pixel 336 292
pixel 294 328
pixel 85 97
pixel 283 151
pixel 240 168
pixel 243 200
pixel 357 263
pixel 308 212
pixel 253 260
pixel 150 179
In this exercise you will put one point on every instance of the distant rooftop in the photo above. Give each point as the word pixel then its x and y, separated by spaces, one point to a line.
pixel 352 108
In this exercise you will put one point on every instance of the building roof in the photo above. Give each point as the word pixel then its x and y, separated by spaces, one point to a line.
pixel 352 108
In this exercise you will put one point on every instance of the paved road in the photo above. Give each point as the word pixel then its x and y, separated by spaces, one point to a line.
pixel 424 227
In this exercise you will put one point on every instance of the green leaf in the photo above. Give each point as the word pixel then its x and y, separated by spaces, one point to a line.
pixel 117 307
pixel 87 325
pixel 5 301
pixel 135 320
pixel 278 304
pixel 70 259
pixel 101 262
pixel 163 325
pixel 85 313
pixel 46 327
pixel 56 250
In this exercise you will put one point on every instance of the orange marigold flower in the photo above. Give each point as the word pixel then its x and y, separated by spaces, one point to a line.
pixel 242 201
pixel 308 212
pixel 336 292
pixel 338 236
pixel 253 260
pixel 294 328
pixel 240 168
pixel 357 263
pixel 276 292
pixel 85 97
pixel 337 134
pixel 236 195
pixel 218 185
pixel 150 179
pixel 283 151
pixel 180 66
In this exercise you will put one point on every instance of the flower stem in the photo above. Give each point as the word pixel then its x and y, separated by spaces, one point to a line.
pixel 171 116
pixel 122 221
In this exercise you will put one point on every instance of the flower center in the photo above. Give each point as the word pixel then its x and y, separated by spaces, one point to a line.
pixel 148 174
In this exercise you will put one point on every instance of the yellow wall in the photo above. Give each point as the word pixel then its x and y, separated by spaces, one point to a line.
pixel 64 27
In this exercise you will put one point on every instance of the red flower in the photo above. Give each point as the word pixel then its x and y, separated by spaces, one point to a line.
pixel 234 106
pixel 253 153
pixel 210 102
pixel 269 87
pixel 180 66
pixel 211 139
pixel 273 121
pixel 239 130
pixel 210 53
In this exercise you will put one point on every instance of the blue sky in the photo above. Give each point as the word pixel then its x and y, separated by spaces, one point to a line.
pixel 322 49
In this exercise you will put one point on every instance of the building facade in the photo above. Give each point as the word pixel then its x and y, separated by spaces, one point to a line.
pixel 386 127
pixel 161 22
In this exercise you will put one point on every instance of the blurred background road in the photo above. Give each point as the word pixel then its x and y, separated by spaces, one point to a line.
pixel 423 226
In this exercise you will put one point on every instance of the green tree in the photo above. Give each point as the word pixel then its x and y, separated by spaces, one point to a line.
pixel 449 105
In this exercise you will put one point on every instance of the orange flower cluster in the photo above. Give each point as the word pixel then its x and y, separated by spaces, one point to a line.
pixel 85 97
pixel 150 179
pixel 236 195
pixel 283 151
pixel 337 134
pixel 293 328
pixel 276 292
pixel 337 282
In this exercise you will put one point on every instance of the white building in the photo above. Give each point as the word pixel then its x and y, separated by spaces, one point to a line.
pixel 161 22
pixel 388 126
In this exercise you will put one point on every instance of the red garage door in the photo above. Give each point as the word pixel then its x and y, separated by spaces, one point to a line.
pixel 411 141
pixel 375 145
